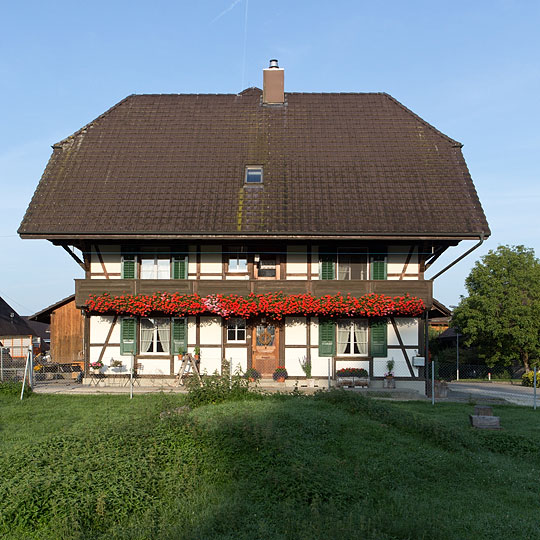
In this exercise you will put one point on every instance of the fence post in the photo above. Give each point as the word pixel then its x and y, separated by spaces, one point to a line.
pixel 457 356
pixel 535 373
pixel 2 364
pixel 433 382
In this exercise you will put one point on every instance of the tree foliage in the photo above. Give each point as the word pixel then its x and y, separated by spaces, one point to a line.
pixel 501 315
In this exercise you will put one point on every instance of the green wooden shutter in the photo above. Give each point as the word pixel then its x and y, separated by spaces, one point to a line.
pixel 179 336
pixel 378 266
pixel 128 266
pixel 378 339
pixel 327 266
pixel 180 267
pixel 327 338
pixel 128 341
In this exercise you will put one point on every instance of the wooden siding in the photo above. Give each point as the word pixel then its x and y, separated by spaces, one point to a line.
pixel 420 288
pixel 67 325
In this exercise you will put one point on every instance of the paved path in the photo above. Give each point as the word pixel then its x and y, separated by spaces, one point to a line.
pixel 518 395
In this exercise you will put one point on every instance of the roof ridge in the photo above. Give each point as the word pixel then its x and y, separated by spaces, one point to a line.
pixel 422 121
pixel 59 144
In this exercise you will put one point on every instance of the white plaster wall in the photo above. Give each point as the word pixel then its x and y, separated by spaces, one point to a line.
pixel 315 262
pixel 210 360
pixel 238 357
pixel 292 364
pixel 192 261
pixel 211 261
pixel 315 331
pixel 296 261
pixel 112 259
pixel 233 277
pixel 295 331
pixel 210 331
pixel 397 255
pixel 400 365
pixel 408 330
pixel 319 365
pixel 99 328
pixel 192 329
pixel 153 366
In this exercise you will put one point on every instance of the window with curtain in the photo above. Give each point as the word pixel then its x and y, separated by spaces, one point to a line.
pixel 352 263
pixel 352 337
pixel 155 335
pixel 155 266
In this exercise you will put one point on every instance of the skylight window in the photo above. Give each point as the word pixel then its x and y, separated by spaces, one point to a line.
pixel 254 175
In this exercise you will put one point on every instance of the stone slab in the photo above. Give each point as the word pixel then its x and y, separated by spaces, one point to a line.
pixel 485 422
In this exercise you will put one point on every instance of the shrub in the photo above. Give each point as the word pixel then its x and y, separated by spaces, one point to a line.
pixel 217 389
pixel 13 388
pixel 252 373
pixel 528 379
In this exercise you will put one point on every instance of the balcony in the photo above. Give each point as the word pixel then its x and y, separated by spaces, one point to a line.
pixel 115 287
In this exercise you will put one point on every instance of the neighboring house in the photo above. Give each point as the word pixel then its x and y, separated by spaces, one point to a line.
pixel 66 330
pixel 16 334
pixel 439 317
pixel 262 192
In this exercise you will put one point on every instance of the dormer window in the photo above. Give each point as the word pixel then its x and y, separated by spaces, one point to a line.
pixel 254 175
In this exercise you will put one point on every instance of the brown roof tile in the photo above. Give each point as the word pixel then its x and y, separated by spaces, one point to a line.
pixel 355 164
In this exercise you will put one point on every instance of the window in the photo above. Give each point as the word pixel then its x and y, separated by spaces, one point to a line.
pixel 155 266
pixel 254 175
pixel 238 260
pixel 155 335
pixel 352 337
pixel 267 266
pixel 352 263
pixel 236 331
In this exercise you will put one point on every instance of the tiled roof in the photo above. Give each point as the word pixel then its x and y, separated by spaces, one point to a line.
pixel 12 326
pixel 334 164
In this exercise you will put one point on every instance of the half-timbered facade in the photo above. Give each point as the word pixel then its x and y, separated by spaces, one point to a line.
pixel 263 228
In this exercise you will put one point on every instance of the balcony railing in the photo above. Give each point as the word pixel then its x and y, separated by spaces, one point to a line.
pixel 115 287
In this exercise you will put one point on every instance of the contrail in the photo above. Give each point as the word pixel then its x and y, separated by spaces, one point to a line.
pixel 225 11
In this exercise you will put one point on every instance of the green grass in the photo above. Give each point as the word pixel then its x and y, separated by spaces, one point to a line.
pixel 330 466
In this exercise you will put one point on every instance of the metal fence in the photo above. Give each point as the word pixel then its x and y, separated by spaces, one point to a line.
pixel 11 369
pixel 451 371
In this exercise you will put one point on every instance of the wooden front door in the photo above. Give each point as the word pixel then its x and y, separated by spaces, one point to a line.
pixel 265 342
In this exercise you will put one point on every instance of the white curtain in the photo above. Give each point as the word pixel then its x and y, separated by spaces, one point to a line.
pixel 343 337
pixel 360 333
pixel 147 335
pixel 163 269
pixel 344 267
pixel 147 268
pixel 164 333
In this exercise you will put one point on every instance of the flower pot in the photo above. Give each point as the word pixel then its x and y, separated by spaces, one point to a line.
pixel 389 382
pixel 280 379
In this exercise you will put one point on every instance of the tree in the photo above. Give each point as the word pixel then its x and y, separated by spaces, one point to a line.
pixel 501 315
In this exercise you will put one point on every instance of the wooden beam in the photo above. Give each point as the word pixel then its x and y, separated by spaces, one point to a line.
pixel 74 256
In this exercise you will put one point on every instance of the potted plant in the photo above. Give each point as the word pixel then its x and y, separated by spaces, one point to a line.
pixel 116 365
pixel 305 364
pixel 96 366
pixel 252 375
pixel 389 381
pixel 197 353
pixel 280 374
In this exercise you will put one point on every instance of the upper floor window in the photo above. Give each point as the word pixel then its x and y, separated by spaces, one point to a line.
pixel 352 263
pixel 237 259
pixel 254 175
pixel 155 266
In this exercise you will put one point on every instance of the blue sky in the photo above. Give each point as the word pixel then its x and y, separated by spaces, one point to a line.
pixel 469 68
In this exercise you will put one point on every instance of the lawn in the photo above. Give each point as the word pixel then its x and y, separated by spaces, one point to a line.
pixel 329 466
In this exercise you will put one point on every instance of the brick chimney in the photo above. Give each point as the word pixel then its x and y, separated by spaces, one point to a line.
pixel 273 77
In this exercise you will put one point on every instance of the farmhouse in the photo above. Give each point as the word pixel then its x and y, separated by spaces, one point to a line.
pixel 265 227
